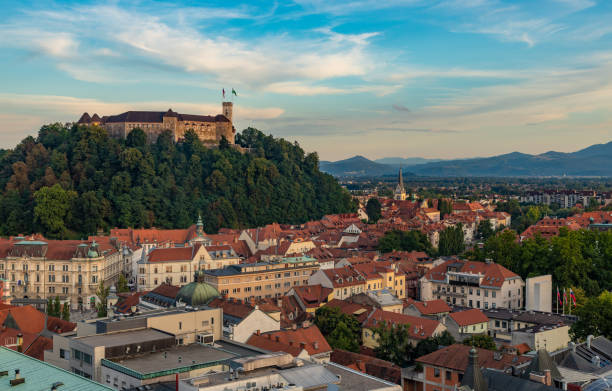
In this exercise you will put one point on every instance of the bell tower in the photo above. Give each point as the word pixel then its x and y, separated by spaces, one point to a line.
pixel 228 108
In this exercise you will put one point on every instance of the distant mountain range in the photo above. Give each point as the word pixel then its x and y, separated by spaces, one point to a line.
pixel 595 160
pixel 405 162
pixel 358 166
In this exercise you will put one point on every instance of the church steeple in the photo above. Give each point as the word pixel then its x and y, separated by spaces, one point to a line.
pixel 473 375
pixel 400 191
pixel 200 226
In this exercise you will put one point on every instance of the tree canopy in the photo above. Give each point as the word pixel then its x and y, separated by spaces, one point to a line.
pixel 397 240
pixel 71 182
pixel 341 331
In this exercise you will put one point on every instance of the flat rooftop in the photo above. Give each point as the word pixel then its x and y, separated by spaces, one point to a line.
pixel 357 381
pixel 308 376
pixel 121 338
pixel 193 354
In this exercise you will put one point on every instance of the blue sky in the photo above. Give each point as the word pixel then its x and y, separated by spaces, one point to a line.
pixel 435 78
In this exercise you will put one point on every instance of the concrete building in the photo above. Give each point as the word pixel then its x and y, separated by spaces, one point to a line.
pixel 262 279
pixel 70 269
pixel 472 284
pixel 162 366
pixel 241 319
pixel 538 293
pixel 548 337
pixel 279 371
pixel 82 352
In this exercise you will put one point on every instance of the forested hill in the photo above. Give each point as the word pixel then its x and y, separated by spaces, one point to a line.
pixel 70 182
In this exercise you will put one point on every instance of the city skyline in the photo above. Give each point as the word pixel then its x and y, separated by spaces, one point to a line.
pixel 436 79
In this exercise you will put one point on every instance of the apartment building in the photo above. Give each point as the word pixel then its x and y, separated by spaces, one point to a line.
pixel 71 269
pixel 262 279
pixel 471 284
pixel 84 352
pixel 359 278
pixel 177 265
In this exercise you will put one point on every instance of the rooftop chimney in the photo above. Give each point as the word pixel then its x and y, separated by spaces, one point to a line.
pixel 258 332
pixel 589 340
pixel 17 380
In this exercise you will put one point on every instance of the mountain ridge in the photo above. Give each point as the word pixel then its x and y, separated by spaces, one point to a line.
pixel 594 160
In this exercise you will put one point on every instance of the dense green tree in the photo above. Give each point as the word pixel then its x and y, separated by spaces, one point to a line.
pixel 342 337
pixel 482 341
pixel 445 207
pixel 373 210
pixel 72 182
pixel 51 208
pixel 393 343
pixel 137 138
pixel 102 304
pixel 404 241
pixel 485 229
pixel 451 241
pixel 341 331
pixel 66 312
pixel 57 307
pixel 122 285
pixel 594 317
pixel 50 307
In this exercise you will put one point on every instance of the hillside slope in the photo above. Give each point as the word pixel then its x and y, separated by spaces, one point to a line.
pixel 71 182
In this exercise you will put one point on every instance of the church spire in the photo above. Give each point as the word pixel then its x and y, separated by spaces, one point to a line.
pixel 401 179
pixel 472 376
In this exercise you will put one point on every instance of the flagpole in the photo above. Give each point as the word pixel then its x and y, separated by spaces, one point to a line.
pixel 557 299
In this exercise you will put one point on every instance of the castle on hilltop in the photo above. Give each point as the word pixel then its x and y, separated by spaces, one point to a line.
pixel 210 129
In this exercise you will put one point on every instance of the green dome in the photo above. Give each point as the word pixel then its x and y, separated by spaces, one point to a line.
pixel 197 293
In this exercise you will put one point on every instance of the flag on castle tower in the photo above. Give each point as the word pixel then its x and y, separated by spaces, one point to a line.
pixel 223 93
pixel 559 296
pixel 234 92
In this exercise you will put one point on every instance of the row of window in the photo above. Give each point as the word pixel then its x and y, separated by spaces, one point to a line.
pixel 51 267
pixel 278 285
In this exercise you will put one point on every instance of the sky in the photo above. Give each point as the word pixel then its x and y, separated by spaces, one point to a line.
pixel 393 78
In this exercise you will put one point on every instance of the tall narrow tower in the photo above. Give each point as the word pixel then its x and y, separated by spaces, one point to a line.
pixel 400 191
pixel 228 108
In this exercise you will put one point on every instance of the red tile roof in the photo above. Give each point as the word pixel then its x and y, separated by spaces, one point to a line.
pixel 420 328
pixel 469 317
pixel 494 274
pixel 431 307
pixel 172 254
pixel 366 364
pixel 235 308
pixel 292 341
pixel 30 320
pixel 455 357
pixel 313 296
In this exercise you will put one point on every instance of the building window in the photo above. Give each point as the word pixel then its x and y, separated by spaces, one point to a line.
pixel 180 325
pixel 51 277
pixel 448 375
pixel 94 279
pixel 437 372
pixel 493 294
pixel 65 268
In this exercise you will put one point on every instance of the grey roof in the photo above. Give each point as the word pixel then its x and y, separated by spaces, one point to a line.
pixel 122 338
pixel 499 381
pixel 189 355
pixel 541 362
pixel 356 381
pixel 40 375
pixel 310 376
pixel 158 117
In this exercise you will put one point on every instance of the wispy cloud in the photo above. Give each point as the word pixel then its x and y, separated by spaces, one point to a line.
pixel 258 63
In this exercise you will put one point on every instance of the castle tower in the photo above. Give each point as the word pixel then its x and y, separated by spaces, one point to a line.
pixel 400 190
pixel 228 108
